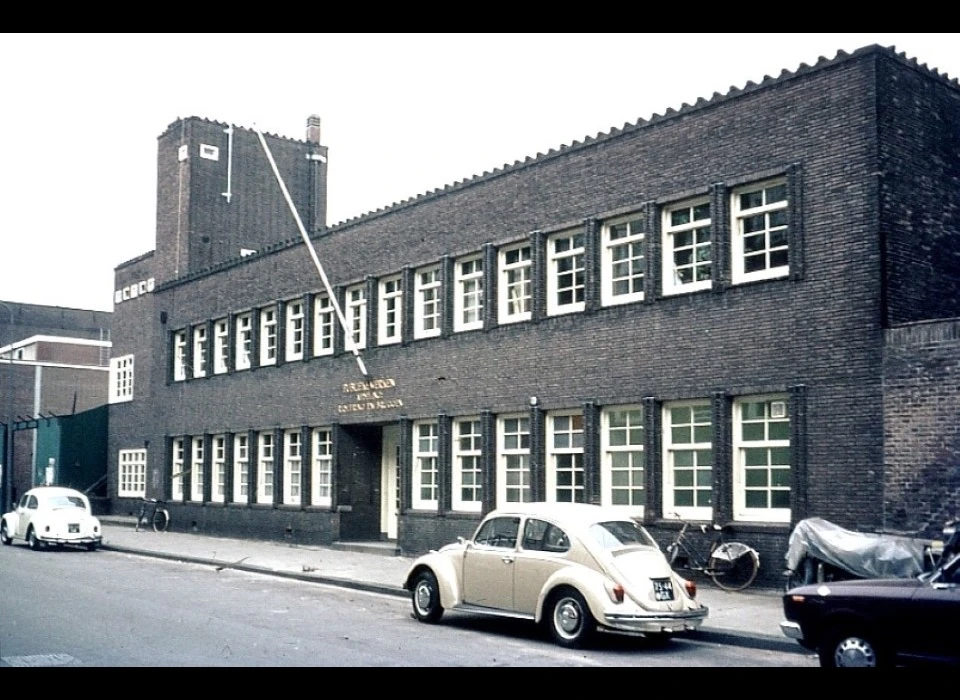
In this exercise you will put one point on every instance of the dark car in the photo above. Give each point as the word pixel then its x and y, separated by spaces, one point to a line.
pixel 881 621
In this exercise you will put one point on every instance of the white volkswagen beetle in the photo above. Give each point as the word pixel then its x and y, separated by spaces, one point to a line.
pixel 575 567
pixel 52 515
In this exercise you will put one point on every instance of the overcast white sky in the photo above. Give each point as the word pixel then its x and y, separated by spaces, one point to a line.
pixel 402 114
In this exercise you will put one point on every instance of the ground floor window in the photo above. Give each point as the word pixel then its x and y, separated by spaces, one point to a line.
pixel 322 475
pixel 132 480
pixel 688 460
pixel 762 458
pixel 622 459
pixel 467 470
pixel 513 460
pixel 219 491
pixel 265 467
pixel 196 470
pixel 426 467
pixel 176 470
pixel 241 468
pixel 291 467
pixel 565 475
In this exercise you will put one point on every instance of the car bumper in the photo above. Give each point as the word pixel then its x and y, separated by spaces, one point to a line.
pixel 685 621
pixel 71 540
pixel 792 630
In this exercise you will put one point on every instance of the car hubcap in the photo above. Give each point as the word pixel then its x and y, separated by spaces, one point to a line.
pixel 568 617
pixel 855 653
pixel 424 596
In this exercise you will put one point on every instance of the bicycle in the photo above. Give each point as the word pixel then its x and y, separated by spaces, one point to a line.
pixel 733 566
pixel 159 516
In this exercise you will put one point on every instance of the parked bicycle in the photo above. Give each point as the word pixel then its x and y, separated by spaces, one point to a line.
pixel 153 512
pixel 731 565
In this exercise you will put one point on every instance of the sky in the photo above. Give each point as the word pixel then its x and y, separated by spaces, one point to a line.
pixel 401 115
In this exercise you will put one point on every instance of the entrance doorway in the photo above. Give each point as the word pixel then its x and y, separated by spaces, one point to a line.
pixel 390 482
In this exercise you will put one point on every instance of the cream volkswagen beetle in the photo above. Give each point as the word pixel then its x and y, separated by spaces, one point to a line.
pixel 574 567
pixel 52 515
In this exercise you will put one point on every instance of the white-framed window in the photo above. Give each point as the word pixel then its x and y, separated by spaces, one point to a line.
pixel 622 459
pixel 292 467
pixel 321 482
pixel 688 460
pixel 323 320
pixel 624 263
pixel 221 346
pixel 200 351
pixel 178 456
pixel 390 310
pixel 132 474
pixel 121 379
pixel 241 468
pixel 513 459
pixel 687 247
pixel 294 326
pixel 565 278
pixel 426 312
pixel 426 464
pixel 565 473
pixel 760 241
pixel 268 336
pixel 180 356
pixel 761 458
pixel 265 448
pixel 356 315
pixel 467 470
pixel 515 290
pixel 243 350
pixel 468 300
pixel 196 470
pixel 218 493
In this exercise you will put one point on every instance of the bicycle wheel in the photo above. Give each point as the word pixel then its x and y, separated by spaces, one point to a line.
pixel 161 518
pixel 733 566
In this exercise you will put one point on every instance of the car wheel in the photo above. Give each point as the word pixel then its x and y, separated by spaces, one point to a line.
pixel 571 623
pixel 4 537
pixel 426 597
pixel 850 647
pixel 91 546
pixel 34 541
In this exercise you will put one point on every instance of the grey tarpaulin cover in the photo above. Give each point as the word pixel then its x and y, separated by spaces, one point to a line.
pixel 863 554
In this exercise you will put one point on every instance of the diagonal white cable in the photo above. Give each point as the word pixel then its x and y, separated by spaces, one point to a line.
pixel 347 332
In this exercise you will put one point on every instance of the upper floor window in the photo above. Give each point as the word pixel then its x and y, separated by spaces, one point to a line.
pixel 426 464
pixel 762 458
pixel 200 351
pixel 759 245
pixel 132 475
pixel 467 470
pixel 244 341
pixel 565 470
pixel 426 311
pixel 323 320
pixel 513 459
pixel 390 310
pixel 468 301
pixel 688 460
pixel 623 462
pixel 268 336
pixel 294 325
pixel 292 467
pixel 687 248
pixel 356 315
pixel 221 346
pixel 565 278
pixel 121 379
pixel 624 263
pixel 515 290
pixel 180 356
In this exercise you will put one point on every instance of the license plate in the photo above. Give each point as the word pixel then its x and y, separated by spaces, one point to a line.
pixel 73 528
pixel 663 589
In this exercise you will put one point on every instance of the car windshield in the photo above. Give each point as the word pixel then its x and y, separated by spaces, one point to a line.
pixel 620 533
pixel 57 502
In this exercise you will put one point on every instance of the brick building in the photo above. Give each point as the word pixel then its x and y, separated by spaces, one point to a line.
pixel 729 311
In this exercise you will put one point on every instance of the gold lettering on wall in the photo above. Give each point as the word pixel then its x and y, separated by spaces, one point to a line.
pixel 369 396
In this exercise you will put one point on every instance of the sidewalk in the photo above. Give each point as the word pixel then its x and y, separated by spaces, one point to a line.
pixel 750 618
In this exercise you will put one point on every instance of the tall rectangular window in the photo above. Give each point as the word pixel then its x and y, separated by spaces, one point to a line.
pixel 292 467
pixel 322 475
pixel 515 290
pixel 426 464
pixel 200 351
pixel 762 459
pixel 760 241
pixel 132 476
pixel 121 379
pixel 244 341
pixel 624 262
pixel 265 471
pixel 294 325
pixel 323 320
pixel 219 491
pixel 221 346
pixel 688 460
pixel 687 248
pixel 623 462
pixel 565 475
pixel 176 469
pixel 180 356
pixel 241 468
pixel 426 312
pixel 467 472
pixel 513 460
pixel 390 309
pixel 468 301
pixel 268 336
pixel 196 470
pixel 566 279
pixel 356 315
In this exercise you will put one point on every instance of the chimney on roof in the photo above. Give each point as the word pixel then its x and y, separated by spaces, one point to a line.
pixel 313 129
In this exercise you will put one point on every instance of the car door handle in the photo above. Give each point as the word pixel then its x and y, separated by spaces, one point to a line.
pixel 507 559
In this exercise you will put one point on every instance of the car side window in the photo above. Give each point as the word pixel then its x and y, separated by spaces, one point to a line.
pixel 539 535
pixel 498 532
pixel 32 503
